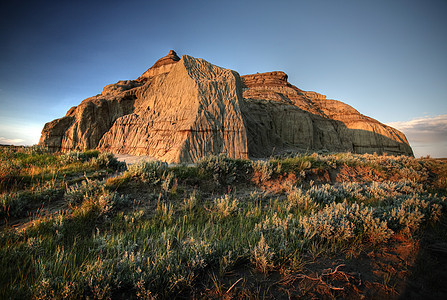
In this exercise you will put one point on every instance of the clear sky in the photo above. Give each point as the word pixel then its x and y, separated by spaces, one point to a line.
pixel 388 59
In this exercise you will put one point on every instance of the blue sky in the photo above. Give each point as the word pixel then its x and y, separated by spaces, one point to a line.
pixel 385 58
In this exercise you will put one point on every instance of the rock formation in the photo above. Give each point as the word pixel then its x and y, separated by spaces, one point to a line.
pixel 190 112
pixel 282 118
pixel 180 110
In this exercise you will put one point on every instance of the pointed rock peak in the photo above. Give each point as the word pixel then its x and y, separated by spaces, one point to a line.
pixel 173 54
pixel 171 58
pixel 163 65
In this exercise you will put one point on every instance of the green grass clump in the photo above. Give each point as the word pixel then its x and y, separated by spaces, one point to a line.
pixel 26 167
pixel 73 156
pixel 17 204
pixel 295 164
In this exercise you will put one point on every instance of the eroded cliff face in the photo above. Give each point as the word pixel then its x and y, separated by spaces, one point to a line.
pixel 191 112
pixel 180 110
pixel 84 125
pixel 291 119
pixel 179 115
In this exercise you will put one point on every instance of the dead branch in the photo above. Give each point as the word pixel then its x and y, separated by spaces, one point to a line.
pixel 231 287
pixel 327 274
pixel 291 278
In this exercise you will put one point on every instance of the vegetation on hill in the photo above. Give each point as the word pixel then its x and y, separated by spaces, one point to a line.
pixel 82 224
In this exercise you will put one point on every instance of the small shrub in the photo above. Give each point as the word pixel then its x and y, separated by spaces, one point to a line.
pixel 77 193
pixel 120 201
pixel 223 169
pixel 93 196
pixel 73 156
pixel 263 168
pixel 151 171
pixel 96 204
pixel 262 256
pixel 408 213
pixel 342 222
pixel 225 206
pixel 107 160
pixel 296 198
pixel 277 226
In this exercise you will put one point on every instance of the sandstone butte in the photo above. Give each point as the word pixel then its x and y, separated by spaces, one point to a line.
pixel 181 110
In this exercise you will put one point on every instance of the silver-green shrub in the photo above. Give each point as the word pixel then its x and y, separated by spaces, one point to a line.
pixel 263 168
pixel 151 171
pixel 76 193
pixel 93 194
pixel 407 213
pixel 342 222
pixel 225 206
pixel 223 169
pixel 74 155
pixel 107 160
pixel 296 198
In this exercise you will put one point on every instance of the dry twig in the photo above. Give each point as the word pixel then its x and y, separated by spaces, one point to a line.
pixel 231 287
pixel 326 274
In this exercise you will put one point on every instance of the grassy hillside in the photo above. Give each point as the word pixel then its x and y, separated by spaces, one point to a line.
pixel 82 224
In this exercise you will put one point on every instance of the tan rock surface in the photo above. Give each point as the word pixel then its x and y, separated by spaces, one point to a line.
pixel 180 110
pixel 368 134
pixel 335 126
pixel 192 112
pixel 84 125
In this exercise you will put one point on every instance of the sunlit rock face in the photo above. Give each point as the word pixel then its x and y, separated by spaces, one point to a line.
pixel 180 110
pixel 192 111
pixel 283 118
pixel 179 114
